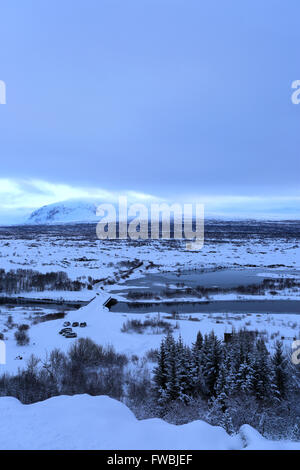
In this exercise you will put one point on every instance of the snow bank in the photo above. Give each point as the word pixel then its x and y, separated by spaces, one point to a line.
pixel 254 441
pixel 85 422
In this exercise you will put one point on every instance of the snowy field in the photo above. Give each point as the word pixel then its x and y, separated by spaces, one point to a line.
pixel 101 259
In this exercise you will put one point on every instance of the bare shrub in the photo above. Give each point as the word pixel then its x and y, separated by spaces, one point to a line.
pixel 23 327
pixel 21 337
pixel 86 352
pixel 152 325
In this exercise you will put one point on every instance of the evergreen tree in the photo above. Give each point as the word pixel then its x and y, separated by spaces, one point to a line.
pixel 172 385
pixel 280 376
pixel 184 376
pixel 223 385
pixel 226 422
pixel 262 372
pixel 211 367
pixel 196 368
pixel 199 342
pixel 160 372
pixel 245 377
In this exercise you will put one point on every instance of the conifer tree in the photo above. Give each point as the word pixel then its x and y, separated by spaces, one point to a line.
pixel 184 377
pixel 199 341
pixel 172 386
pixel 280 376
pixel 160 372
pixel 212 362
pixel 262 372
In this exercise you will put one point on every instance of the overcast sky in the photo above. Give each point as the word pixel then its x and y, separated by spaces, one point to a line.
pixel 184 99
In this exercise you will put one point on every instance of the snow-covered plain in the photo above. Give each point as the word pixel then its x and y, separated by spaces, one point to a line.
pixel 101 258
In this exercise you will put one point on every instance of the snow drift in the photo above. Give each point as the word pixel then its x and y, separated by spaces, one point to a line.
pixel 85 422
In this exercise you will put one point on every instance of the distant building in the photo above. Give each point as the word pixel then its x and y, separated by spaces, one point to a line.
pixel 227 337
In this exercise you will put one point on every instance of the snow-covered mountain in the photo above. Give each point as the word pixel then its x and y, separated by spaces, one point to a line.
pixel 74 210
pixel 65 212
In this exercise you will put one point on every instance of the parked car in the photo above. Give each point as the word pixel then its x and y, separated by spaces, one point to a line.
pixel 74 324
pixel 70 334
pixel 82 324
pixel 67 323
pixel 65 330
